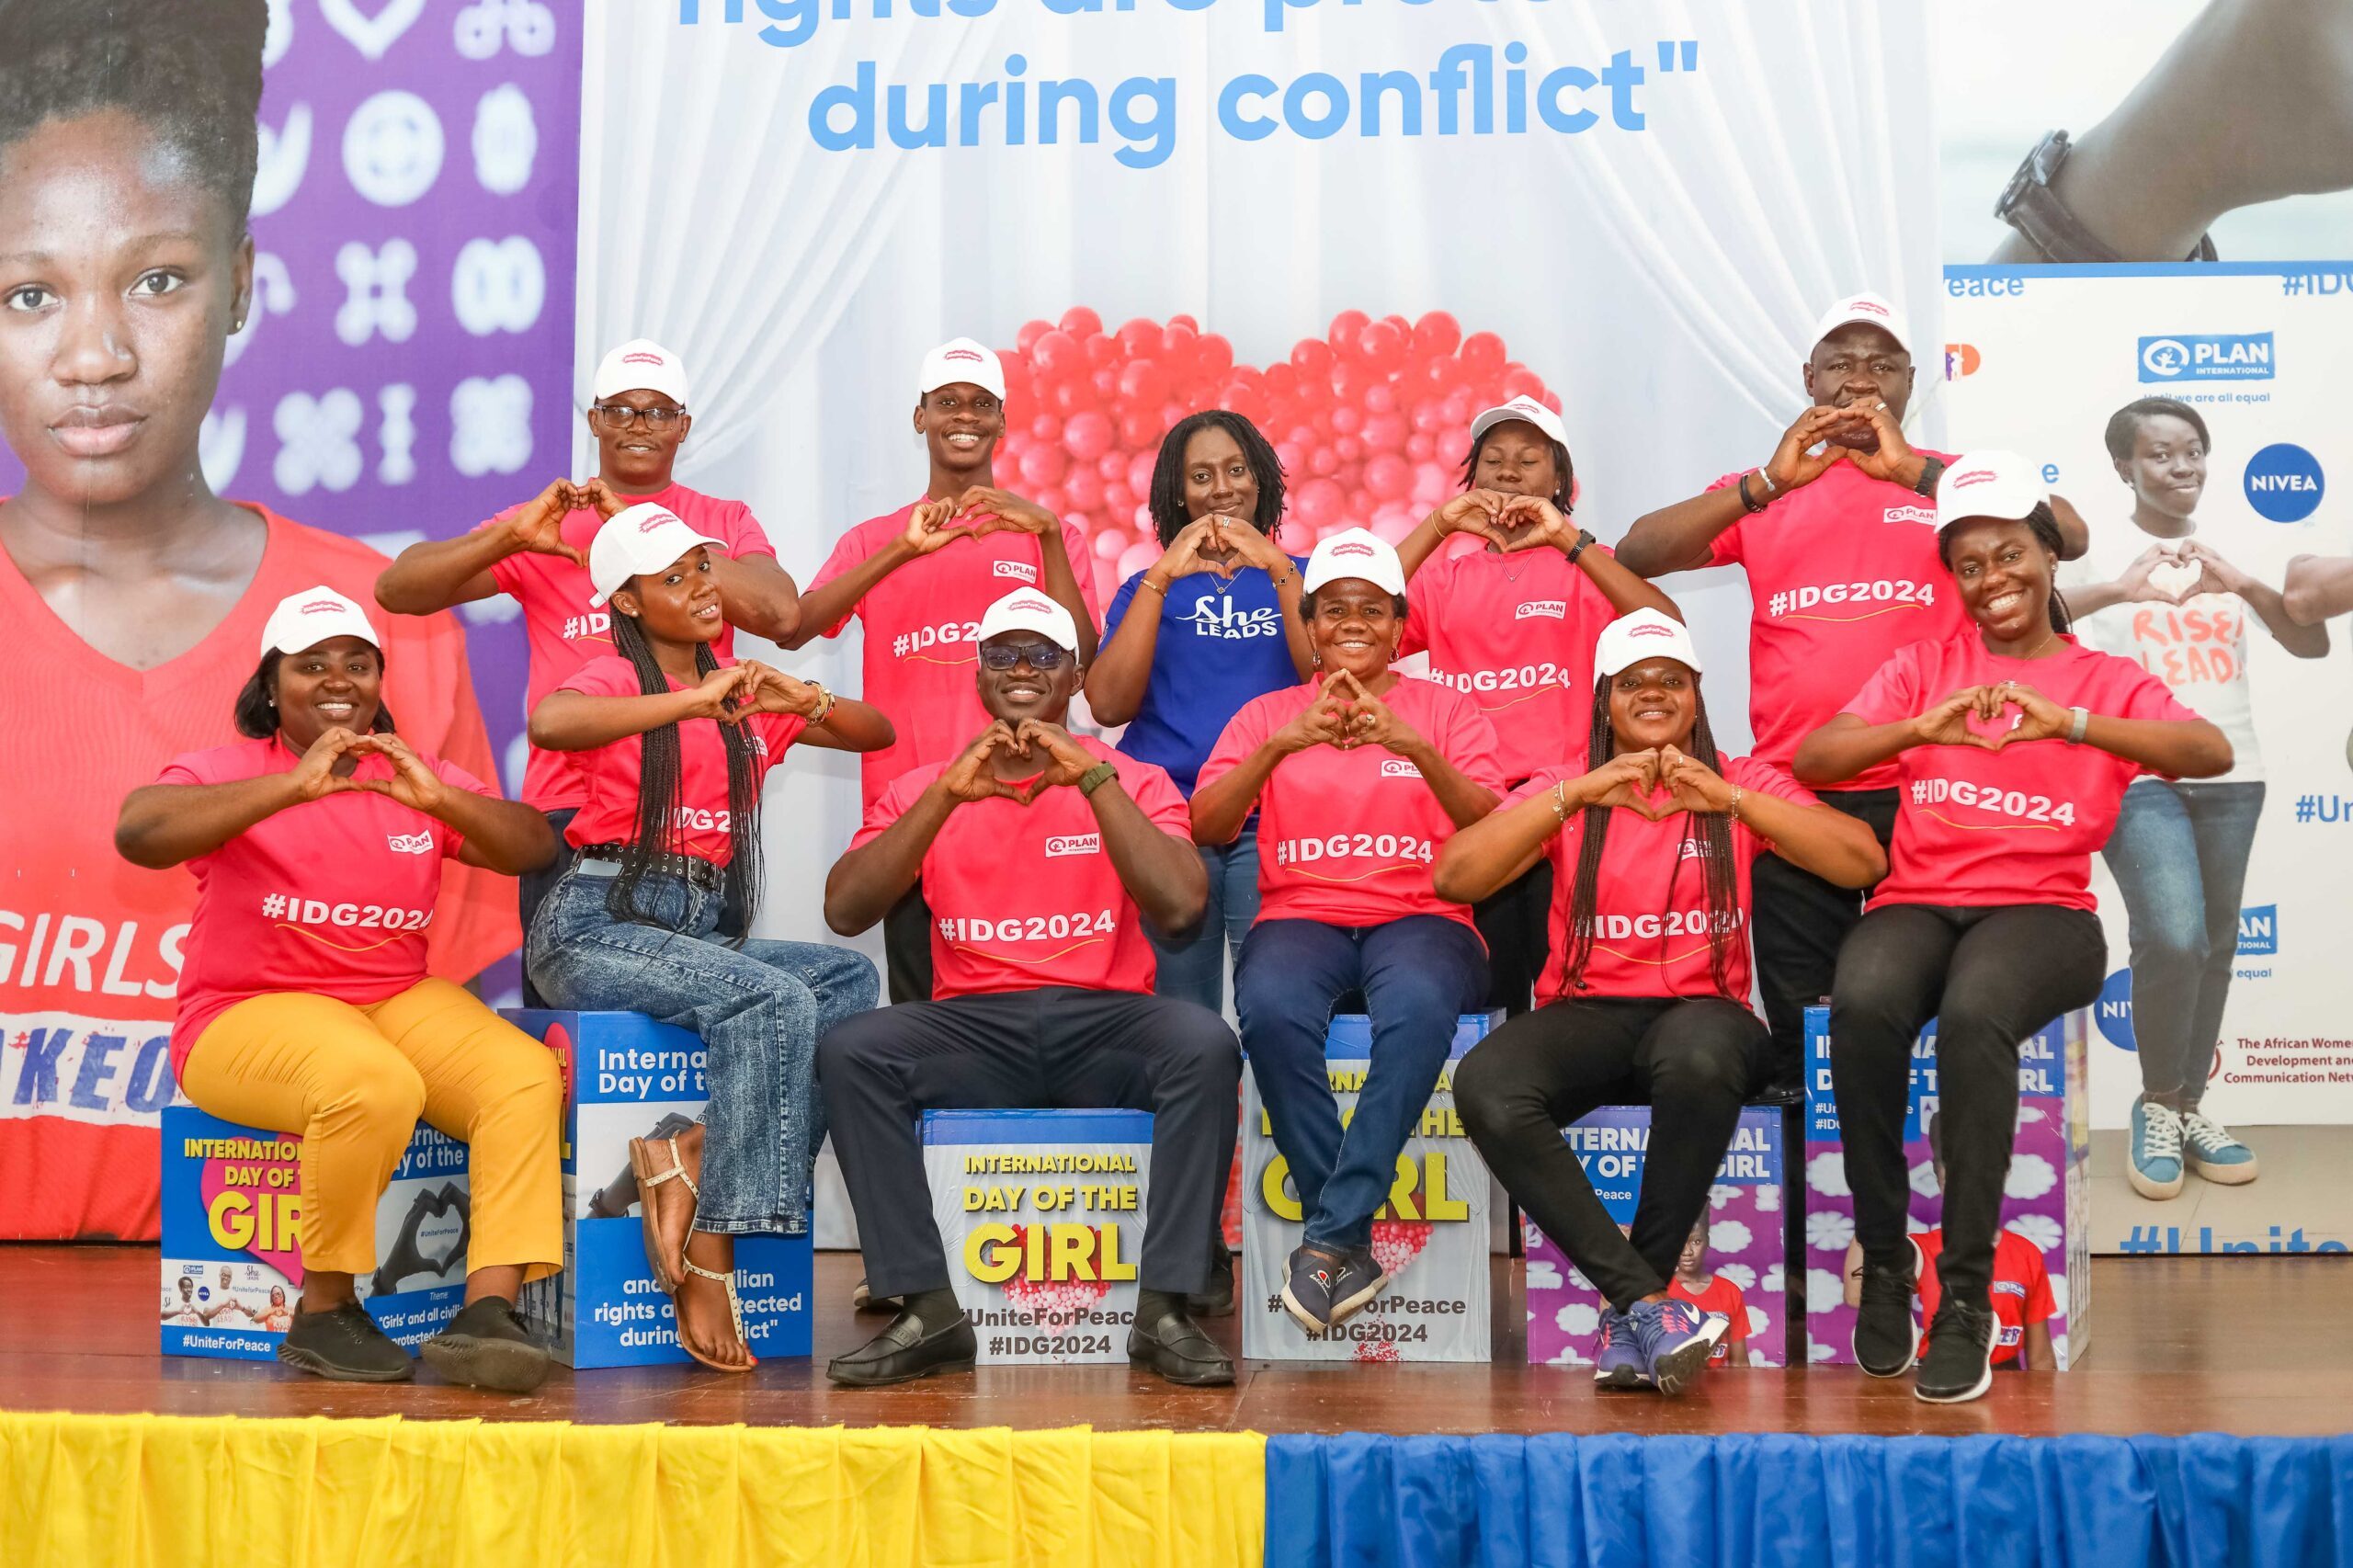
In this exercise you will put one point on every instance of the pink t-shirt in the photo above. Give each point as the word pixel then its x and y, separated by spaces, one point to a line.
pixel 1025 896
pixel 919 625
pixel 1842 572
pixel 609 773
pixel 332 896
pixel 1976 827
pixel 565 634
pixel 1349 837
pixel 1650 917
pixel 1515 634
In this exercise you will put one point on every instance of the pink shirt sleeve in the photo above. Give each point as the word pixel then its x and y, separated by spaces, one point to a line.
pixel 1893 693
pixel 1156 795
pixel 1469 741
pixel 503 571
pixel 745 535
pixel 1425 596
pixel 1728 548
pixel 456 777
pixel 608 677
pixel 849 550
pixel 891 804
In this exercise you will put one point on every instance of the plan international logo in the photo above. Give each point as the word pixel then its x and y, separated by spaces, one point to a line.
pixel 2208 356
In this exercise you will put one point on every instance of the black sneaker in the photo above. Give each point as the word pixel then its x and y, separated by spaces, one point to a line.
pixel 1216 1299
pixel 346 1346
pixel 487 1346
pixel 1887 1337
pixel 1960 1362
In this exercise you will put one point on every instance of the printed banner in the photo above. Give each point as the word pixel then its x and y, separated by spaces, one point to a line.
pixel 2194 415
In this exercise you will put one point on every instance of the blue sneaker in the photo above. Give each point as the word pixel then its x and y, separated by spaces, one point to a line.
pixel 2157 1151
pixel 2213 1153
pixel 1322 1290
pixel 1673 1339
pixel 1617 1359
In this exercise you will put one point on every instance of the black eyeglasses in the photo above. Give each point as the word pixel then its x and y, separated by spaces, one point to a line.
pixel 1039 656
pixel 621 416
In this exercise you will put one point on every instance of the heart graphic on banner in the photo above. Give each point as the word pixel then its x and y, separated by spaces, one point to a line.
pixel 250 1190
pixel 1396 1243
pixel 1371 420
pixel 1057 1303
pixel 372 36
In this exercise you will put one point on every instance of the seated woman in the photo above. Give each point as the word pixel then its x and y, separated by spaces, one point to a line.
pixel 317 845
pixel 2014 747
pixel 1644 996
pixel 1356 780
pixel 672 744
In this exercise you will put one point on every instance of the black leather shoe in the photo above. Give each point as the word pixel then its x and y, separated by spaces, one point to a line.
pixel 487 1346
pixel 1173 1345
pixel 1217 1299
pixel 905 1351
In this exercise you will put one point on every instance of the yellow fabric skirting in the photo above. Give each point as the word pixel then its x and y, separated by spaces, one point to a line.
pixel 224 1492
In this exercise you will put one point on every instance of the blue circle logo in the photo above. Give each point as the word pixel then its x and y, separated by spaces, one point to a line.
pixel 2113 1011
pixel 2284 482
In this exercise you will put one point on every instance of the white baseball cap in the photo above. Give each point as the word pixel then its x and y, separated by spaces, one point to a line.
pixel 1866 307
pixel 1525 408
pixel 1355 552
pixel 1988 484
pixel 644 537
pixel 641 363
pixel 961 359
pixel 1645 634
pixel 1027 609
pixel 307 618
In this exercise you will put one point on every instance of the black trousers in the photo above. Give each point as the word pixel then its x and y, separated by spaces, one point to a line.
pixel 1798 923
pixel 1990 977
pixel 532 888
pixel 1049 1048
pixel 906 947
pixel 1692 1059
pixel 1515 922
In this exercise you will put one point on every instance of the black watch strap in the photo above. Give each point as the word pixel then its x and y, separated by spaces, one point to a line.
pixel 1585 537
pixel 2030 205
pixel 1931 471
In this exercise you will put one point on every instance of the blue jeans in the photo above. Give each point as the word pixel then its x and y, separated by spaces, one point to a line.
pixel 759 1008
pixel 1192 969
pixel 2180 856
pixel 1419 975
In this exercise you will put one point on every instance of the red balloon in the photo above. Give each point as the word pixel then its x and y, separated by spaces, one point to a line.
pixel 1118 502
pixel 1080 322
pixel 1350 477
pixel 1072 397
pixel 1350 449
pixel 1186 321
pixel 1389 477
pixel 1436 333
pixel 1385 433
pixel 1139 336
pixel 1282 383
pixel 1057 354
pixel 1312 359
pixel 1048 497
pixel 1551 400
pixel 1138 478
pixel 1291 454
pixel 1042 467
pixel 1419 447
pixel 1323 460
pixel 1087 436
pixel 1102 350
pixel 1521 381
pixel 1170 413
pixel 1381 399
pixel 1429 419
pixel 1320 502
pixel 1347 420
pixel 1213 356
pixel 1142 381
pixel 1138 430
pixel 1030 333
pixel 1084 488
pixel 1458 407
pixel 1383 346
pixel 1483 353
pixel 1351 381
pixel 1045 428
pixel 1177 342
pixel 1246 402
pixel 1346 326
pixel 1111 465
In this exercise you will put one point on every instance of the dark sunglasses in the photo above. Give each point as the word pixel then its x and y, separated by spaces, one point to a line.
pixel 1037 655
pixel 621 416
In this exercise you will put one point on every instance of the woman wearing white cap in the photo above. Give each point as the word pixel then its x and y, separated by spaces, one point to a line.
pixel 1513 624
pixel 536 552
pixel 919 579
pixel 1358 778
pixel 671 743
pixel 2013 746
pixel 1645 997
pixel 318 844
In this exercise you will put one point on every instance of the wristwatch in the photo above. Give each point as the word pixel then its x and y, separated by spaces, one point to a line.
pixel 2030 205
pixel 1585 537
pixel 1931 471
pixel 1094 778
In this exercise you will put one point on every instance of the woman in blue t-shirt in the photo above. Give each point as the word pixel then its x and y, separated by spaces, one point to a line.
pixel 1227 628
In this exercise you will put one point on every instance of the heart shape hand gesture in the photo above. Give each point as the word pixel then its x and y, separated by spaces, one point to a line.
pixel 1991 717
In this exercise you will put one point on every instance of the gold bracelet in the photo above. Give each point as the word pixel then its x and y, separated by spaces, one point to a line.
pixel 825 701
pixel 1732 811
pixel 1148 582
pixel 1560 800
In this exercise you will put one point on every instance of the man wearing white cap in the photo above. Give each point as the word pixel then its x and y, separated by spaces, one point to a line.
pixel 919 577
pixel 1512 626
pixel 1837 533
pixel 1041 855
pixel 538 551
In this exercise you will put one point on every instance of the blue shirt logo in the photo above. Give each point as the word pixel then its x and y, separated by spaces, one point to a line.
pixel 2284 482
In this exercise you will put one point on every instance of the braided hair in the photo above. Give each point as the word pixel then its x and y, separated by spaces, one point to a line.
pixel 1564 476
pixel 2045 524
pixel 1166 501
pixel 1711 831
pixel 189 70
pixel 658 791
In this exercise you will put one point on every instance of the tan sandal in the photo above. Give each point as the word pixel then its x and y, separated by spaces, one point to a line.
pixel 665 1266
pixel 735 1311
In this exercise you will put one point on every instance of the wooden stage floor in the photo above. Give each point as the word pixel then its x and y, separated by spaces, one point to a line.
pixel 2243 1345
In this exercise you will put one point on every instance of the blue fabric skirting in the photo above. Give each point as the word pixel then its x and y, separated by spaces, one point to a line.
pixel 1612 1501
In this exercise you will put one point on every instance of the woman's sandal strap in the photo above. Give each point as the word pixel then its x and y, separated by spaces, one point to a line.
pixel 734 1304
pixel 677 1170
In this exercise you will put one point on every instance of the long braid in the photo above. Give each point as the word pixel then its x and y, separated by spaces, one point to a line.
pixel 1585 890
pixel 659 785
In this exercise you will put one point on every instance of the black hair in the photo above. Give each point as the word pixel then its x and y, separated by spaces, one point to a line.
pixel 1711 831
pixel 190 69
pixel 658 786
pixel 2124 425
pixel 1166 501
pixel 1564 474
pixel 2045 526
pixel 256 712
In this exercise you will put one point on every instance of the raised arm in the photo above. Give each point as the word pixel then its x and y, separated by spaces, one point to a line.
pixel 1679 536
pixel 2318 587
pixel 1552 529
pixel 1223 804
pixel 1162 873
pixel 826 605
pixel 1058 577
pixel 871 877
pixel 576 721
pixel 835 723
pixel 162 825
pixel 437 573
pixel 1836 848
pixel 501 836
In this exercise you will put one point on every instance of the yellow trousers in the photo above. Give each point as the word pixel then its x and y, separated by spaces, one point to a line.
pixel 354 1080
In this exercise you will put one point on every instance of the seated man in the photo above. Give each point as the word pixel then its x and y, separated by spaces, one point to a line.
pixel 1040 855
